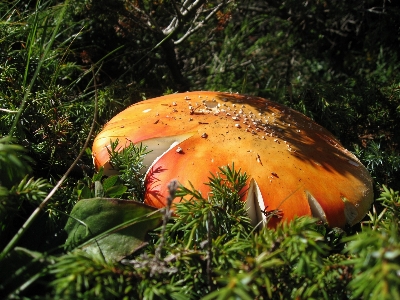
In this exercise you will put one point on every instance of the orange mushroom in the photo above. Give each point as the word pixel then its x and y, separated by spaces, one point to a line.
pixel 294 165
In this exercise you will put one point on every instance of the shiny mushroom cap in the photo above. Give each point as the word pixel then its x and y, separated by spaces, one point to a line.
pixel 294 165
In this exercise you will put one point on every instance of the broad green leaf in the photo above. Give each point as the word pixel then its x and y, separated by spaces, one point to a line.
pixel 114 227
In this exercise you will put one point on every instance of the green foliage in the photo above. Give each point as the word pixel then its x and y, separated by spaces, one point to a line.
pixel 390 199
pixel 223 211
pixel 383 165
pixel 27 266
pixel 210 250
pixel 79 275
pixel 336 62
pixel 128 162
pixel 18 195
pixel 375 257
pixel 28 190
pixel 14 162
pixel 39 109
pixel 98 187
pixel 204 235
pixel 270 48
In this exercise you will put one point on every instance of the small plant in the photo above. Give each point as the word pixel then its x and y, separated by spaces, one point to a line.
pixel 390 199
pixel 128 162
pixel 221 213
pixel 375 259
pixel 97 186
pixel 14 161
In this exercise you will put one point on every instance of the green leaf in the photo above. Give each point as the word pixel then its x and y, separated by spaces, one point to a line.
pixel 85 193
pixel 97 176
pixel 116 228
pixel 110 182
pixel 116 191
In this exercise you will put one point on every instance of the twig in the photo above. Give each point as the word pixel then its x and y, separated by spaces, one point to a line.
pixel 177 22
pixel 177 11
pixel 200 24
pixel 9 111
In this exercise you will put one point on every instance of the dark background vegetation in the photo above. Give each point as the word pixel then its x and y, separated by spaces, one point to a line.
pixel 335 61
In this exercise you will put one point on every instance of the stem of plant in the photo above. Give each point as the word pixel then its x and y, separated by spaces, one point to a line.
pixel 42 205
pixel 209 252
pixel 172 187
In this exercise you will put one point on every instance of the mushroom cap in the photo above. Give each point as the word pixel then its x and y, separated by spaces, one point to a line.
pixel 294 165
